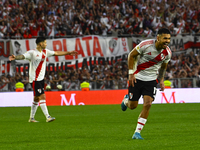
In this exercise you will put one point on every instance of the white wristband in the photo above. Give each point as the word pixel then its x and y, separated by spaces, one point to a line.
pixel 130 72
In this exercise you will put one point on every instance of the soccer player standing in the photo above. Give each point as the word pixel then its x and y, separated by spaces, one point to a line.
pixel 37 69
pixel 144 61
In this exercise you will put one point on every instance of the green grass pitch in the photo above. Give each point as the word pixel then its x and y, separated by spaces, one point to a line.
pixel 101 127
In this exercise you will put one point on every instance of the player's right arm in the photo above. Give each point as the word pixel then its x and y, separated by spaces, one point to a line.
pixel 18 57
pixel 27 56
pixel 132 60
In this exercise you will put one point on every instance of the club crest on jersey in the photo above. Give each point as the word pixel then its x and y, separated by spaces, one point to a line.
pixel 39 90
pixel 162 56
pixel 130 95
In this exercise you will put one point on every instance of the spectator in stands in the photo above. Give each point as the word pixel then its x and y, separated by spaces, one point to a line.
pixel 3 28
pixel 87 32
pixel 172 15
pixel 178 30
pixel 5 82
pixel 85 86
pixel 27 85
pixel 52 77
pixel 104 19
pixel 74 84
pixel 59 87
pixel 167 83
pixel 27 35
pixel 148 32
pixel 19 86
pixel 64 14
pixel 59 34
pixel 18 34
pixel 48 88
pixel 34 30
pixel 96 31
pixel 121 29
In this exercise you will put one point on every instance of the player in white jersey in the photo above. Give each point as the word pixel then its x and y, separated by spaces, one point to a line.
pixel 37 69
pixel 144 61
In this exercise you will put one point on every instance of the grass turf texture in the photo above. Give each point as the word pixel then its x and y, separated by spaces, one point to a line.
pixel 101 127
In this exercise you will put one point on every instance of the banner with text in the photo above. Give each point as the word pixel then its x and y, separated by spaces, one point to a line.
pixel 91 49
pixel 4 49
pixel 101 97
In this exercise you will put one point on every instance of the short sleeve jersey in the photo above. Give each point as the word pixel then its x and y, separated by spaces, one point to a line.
pixel 150 60
pixel 37 65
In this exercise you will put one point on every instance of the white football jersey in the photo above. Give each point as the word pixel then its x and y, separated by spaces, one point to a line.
pixel 37 65
pixel 150 60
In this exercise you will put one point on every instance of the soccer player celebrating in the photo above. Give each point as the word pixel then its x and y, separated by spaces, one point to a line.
pixel 144 61
pixel 37 69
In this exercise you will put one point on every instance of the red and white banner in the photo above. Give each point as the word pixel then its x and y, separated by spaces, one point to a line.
pixel 4 49
pixel 91 49
pixel 4 67
pixel 101 97
pixel 89 46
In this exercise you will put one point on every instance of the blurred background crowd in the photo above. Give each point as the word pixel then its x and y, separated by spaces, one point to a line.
pixel 183 71
pixel 58 18
pixel 21 19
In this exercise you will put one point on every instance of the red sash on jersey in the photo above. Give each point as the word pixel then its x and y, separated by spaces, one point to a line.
pixel 115 25
pixel 150 63
pixel 3 28
pixel 158 25
pixel 50 31
pixel 179 29
pixel 171 25
pixel 148 33
pixel 125 22
pixel 1 87
pixel 37 72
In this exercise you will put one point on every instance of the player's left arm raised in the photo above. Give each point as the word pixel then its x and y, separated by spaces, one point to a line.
pixel 61 53
pixel 161 75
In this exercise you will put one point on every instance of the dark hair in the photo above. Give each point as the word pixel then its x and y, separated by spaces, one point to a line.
pixel 166 78
pixel 163 31
pixel 40 39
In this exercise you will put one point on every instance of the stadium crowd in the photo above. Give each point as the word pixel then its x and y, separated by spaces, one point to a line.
pixel 108 76
pixel 58 18
pixel 67 18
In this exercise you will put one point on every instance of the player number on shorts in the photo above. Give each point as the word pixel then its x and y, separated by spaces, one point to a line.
pixel 154 92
